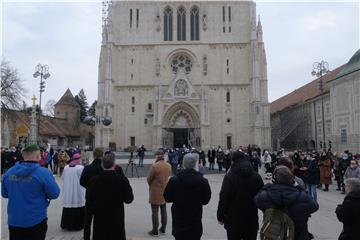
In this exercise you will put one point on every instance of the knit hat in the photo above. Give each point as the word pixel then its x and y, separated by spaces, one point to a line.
pixel 31 148
pixel 238 156
pixel 76 156
pixel 190 160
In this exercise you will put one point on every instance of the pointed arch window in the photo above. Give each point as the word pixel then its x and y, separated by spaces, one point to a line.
pixel 194 23
pixel 181 24
pixel 168 24
pixel 130 18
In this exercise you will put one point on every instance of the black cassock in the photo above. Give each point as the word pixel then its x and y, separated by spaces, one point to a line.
pixel 106 195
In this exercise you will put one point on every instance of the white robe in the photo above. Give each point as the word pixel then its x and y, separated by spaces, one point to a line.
pixel 73 193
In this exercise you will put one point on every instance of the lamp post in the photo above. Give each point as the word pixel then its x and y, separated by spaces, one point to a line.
pixel 41 71
pixel 320 69
pixel 96 120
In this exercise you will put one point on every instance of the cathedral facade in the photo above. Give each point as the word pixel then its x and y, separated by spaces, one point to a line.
pixel 182 72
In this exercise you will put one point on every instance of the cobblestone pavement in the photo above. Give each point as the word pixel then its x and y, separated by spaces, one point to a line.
pixel 323 224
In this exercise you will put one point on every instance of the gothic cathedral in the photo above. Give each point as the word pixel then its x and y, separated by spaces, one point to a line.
pixel 182 72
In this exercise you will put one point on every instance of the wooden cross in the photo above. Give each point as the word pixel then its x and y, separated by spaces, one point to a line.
pixel 33 100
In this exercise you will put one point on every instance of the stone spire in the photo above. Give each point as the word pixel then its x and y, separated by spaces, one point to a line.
pixel 259 31
pixel 103 133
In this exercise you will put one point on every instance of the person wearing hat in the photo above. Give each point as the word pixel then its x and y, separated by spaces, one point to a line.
pixel 73 213
pixel 188 191
pixel 157 179
pixel 281 194
pixel 29 189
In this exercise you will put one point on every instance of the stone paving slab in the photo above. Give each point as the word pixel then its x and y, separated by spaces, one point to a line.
pixel 323 224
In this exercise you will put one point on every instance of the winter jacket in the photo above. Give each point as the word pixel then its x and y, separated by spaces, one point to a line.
pixel 299 205
pixel 63 159
pixel 325 171
pixel 105 197
pixel 311 175
pixel 352 173
pixel 29 188
pixel 157 179
pixel 236 206
pixel 188 191
pixel 348 213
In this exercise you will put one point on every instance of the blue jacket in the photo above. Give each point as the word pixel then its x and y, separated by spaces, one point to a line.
pixel 28 188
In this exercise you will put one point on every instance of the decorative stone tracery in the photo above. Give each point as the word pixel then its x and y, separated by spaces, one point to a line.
pixel 181 88
pixel 181 62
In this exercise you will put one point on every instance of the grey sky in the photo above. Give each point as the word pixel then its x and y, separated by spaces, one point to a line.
pixel 66 35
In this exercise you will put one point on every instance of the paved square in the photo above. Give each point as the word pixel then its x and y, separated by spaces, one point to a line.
pixel 323 224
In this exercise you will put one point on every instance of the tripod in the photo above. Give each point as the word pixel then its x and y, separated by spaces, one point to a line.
pixel 132 164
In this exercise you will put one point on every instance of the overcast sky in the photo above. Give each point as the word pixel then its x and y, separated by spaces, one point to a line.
pixel 66 35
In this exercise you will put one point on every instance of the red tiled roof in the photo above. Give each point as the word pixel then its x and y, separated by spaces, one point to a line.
pixel 304 93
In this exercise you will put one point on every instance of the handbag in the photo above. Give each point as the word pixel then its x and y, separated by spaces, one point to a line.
pixel 328 174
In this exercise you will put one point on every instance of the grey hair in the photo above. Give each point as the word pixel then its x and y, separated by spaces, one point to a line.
pixel 353 183
pixel 108 161
pixel 190 160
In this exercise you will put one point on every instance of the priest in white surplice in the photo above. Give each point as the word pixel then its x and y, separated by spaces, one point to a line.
pixel 73 196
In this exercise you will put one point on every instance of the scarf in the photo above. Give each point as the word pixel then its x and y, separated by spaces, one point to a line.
pixel 74 162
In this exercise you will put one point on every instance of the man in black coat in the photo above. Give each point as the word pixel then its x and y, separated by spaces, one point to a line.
pixel 283 194
pixel 90 171
pixel 188 191
pixel 105 196
pixel 237 209
pixel 349 211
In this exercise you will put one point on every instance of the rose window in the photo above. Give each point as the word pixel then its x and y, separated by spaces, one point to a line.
pixel 181 62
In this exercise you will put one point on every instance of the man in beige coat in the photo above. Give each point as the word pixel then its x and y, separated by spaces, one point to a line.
pixel 157 179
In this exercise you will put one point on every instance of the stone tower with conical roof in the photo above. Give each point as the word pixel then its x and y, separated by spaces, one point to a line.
pixel 67 108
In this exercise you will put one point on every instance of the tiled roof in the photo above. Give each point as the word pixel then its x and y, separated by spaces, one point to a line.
pixel 49 126
pixel 67 99
pixel 57 127
pixel 304 93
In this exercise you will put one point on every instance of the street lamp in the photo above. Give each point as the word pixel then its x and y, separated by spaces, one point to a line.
pixel 320 69
pixel 98 120
pixel 43 72
pixel 90 120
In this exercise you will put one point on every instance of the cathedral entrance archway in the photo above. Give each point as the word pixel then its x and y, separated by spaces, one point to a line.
pixel 181 126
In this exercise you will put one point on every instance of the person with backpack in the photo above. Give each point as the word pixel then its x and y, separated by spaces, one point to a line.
pixel 286 208
pixel 236 209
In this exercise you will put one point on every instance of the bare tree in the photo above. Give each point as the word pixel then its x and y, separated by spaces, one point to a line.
pixel 50 108
pixel 12 90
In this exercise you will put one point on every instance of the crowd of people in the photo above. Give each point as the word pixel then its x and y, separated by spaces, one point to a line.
pixel 94 193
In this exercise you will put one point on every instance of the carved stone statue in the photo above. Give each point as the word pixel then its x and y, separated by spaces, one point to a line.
pixel 204 21
pixel 181 88
pixel 158 23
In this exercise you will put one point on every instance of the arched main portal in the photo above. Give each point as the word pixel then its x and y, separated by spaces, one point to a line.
pixel 181 126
